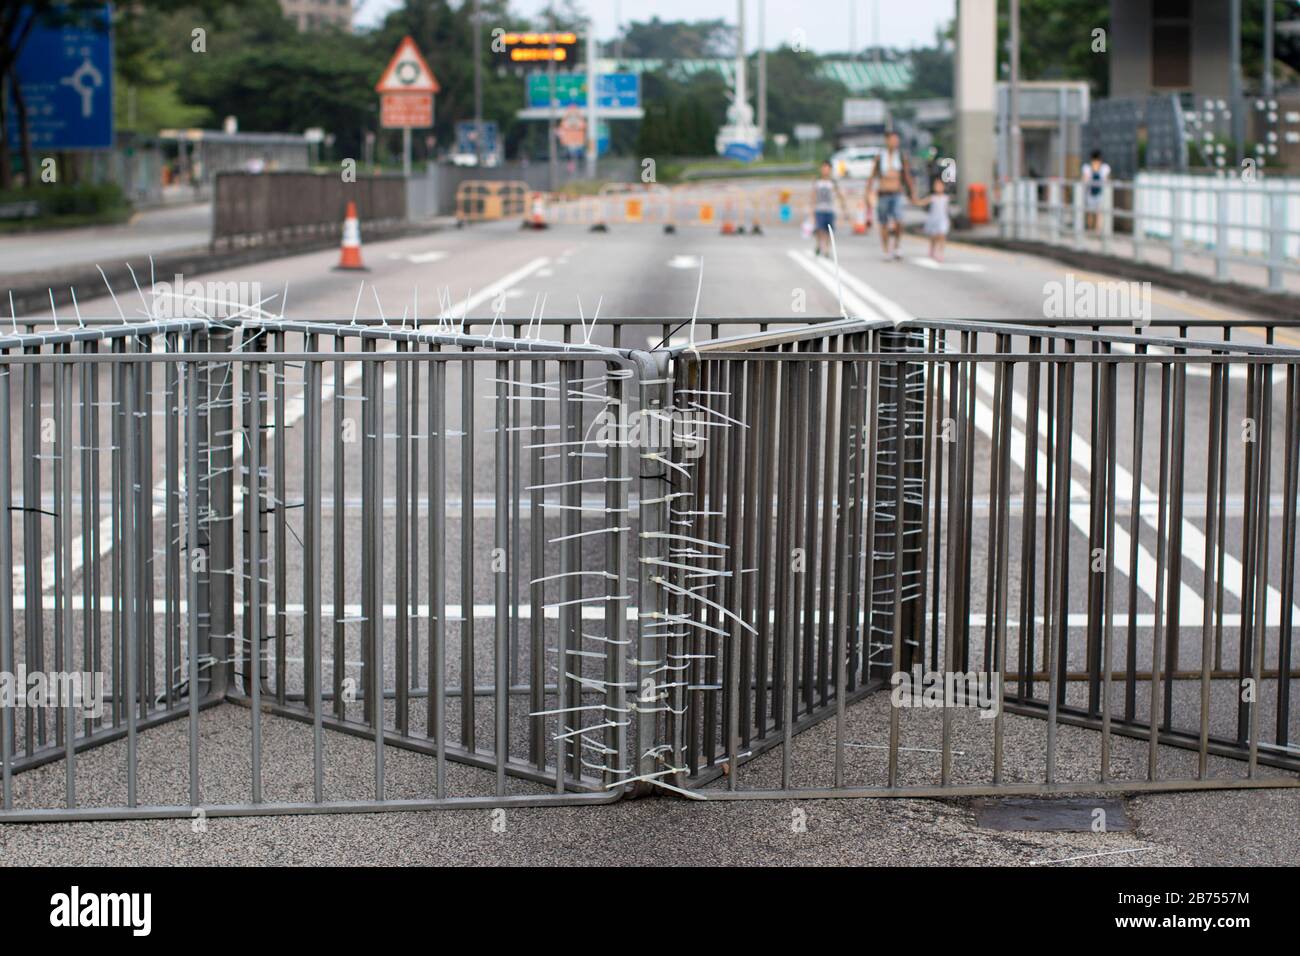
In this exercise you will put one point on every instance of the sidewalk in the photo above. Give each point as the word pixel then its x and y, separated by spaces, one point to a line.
pixel 1246 287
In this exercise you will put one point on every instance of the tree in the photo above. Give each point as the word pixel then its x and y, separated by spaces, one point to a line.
pixel 1056 41
pixel 657 39
pixel 141 58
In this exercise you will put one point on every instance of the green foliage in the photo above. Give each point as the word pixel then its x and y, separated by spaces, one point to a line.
pixel 1056 41
pixel 796 93
pixel 657 39
pixel 82 199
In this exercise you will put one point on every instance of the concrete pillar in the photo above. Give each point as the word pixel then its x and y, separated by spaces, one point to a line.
pixel 974 81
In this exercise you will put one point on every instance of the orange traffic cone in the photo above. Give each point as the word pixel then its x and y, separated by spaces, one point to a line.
pixel 537 216
pixel 350 253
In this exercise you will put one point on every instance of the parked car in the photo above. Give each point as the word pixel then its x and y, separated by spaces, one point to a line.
pixel 855 162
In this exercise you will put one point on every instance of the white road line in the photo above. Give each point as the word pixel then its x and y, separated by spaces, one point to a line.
pixel 1193 540
pixel 418 258
pixel 926 262
pixel 854 305
pixel 293 414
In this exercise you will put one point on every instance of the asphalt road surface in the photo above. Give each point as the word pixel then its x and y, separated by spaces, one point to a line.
pixel 638 271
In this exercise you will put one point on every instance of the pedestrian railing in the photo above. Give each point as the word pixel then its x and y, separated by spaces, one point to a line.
pixel 1170 221
pixel 274 566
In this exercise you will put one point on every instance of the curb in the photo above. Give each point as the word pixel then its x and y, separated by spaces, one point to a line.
pixel 1234 294
pixel 33 295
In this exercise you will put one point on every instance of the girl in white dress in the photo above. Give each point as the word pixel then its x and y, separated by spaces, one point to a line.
pixel 937 218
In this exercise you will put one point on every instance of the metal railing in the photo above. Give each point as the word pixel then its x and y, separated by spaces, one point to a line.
pixel 503 570
pixel 1171 221
pixel 1051 558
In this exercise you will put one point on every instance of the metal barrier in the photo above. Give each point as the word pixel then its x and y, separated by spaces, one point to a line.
pixel 956 616
pixel 267 207
pixel 504 571
pixel 487 200
pixel 1226 223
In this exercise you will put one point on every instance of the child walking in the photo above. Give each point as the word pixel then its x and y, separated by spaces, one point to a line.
pixel 937 218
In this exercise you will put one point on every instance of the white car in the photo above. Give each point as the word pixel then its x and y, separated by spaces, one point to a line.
pixel 855 162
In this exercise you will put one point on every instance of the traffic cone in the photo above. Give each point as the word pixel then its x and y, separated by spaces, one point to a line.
pixel 350 253
pixel 537 214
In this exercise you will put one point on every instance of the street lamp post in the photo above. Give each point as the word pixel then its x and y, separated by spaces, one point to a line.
pixel 478 86
pixel 1013 97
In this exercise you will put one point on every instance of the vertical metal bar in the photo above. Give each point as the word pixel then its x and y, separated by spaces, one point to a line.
pixel 1110 421
pixel 403 571
pixel 1056 639
pixel 91 639
pixel 562 684
pixel 501 622
pixel 221 561
pixel 1134 535
pixel 616 605
pixel 129 595
pixel 375 535
pixel 1029 523
pixel 313 543
pixel 6 593
pixel 1217 390
pixel 1177 469
pixel 1162 544
pixel 1290 493
pixel 793 419
pixel 1264 429
pixel 537 565
pixel 342 424
pixel 1003 493
pixel 190 375
pixel 253 579
pixel 467 662
pixel 171 525
pixel 280 503
pixel 734 517
pixel 437 656
pixel 63 415
pixel 33 615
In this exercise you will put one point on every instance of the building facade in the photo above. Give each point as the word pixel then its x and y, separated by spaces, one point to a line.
pixel 316 14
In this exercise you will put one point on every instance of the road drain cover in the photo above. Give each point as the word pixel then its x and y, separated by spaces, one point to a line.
pixel 1053 816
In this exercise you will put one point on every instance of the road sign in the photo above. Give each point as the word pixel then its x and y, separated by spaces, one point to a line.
pixel 466 139
pixel 407 72
pixel 572 130
pixel 66 75
pixel 522 48
pixel 406 110
pixel 615 90
pixel 807 132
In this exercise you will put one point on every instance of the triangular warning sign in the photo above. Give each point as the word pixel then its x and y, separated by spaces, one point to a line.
pixel 407 72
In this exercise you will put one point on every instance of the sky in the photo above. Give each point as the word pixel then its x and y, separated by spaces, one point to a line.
pixel 827 24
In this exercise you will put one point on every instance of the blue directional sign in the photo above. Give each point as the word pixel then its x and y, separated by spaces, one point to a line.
pixel 65 71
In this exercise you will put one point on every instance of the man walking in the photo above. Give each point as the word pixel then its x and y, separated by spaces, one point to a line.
pixel 890 179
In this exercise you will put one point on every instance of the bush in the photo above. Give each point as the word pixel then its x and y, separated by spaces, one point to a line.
pixel 82 199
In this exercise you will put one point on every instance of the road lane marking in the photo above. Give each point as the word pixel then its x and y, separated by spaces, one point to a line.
pixel 419 258
pixel 853 304
pixel 1081 455
pixel 927 263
